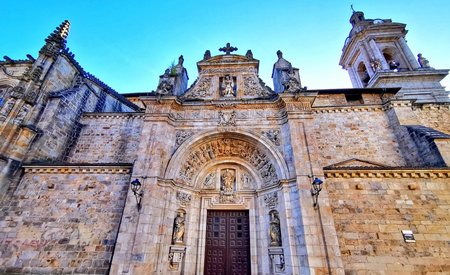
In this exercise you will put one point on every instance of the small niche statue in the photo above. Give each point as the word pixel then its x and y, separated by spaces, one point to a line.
pixel 178 228
pixel 275 230
pixel 227 181
pixel 228 83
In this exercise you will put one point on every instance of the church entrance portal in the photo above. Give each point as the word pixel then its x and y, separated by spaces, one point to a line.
pixel 227 242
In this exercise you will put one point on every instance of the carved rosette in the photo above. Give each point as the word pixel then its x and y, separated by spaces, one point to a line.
pixel 228 147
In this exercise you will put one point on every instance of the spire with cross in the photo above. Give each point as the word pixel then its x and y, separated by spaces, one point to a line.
pixel 228 49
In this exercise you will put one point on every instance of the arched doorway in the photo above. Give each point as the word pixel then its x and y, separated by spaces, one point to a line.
pixel 236 178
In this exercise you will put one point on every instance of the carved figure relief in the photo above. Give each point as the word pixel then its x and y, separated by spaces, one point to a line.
pixel 227 118
pixel 246 181
pixel 423 62
pixel 271 199
pixel 252 87
pixel 275 230
pixel 210 181
pixel 201 89
pixel 228 86
pixel 228 148
pixel 178 228
pixel 227 181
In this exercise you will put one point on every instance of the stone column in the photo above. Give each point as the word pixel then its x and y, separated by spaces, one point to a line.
pixel 414 64
pixel 378 54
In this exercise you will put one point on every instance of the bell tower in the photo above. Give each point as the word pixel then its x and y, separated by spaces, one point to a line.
pixel 376 55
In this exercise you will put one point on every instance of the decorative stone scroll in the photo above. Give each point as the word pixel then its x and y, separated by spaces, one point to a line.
pixel 271 200
pixel 183 198
pixel 201 89
pixel 228 147
pixel 252 87
pixel 181 136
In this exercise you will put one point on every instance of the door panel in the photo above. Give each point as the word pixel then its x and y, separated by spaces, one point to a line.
pixel 227 243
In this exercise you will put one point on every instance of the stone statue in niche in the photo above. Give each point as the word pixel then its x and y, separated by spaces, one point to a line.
pixel 227 181
pixel 275 230
pixel 228 84
pixel 178 228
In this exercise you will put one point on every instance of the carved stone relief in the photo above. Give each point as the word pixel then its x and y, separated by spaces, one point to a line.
pixel 227 118
pixel 273 135
pixel 252 87
pixel 228 148
pixel 7 107
pixel 271 199
pixel 181 136
pixel 22 113
pixel 201 89
pixel 246 181
pixel 183 198
pixel 210 181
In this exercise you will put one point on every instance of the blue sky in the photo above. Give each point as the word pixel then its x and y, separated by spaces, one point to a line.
pixel 128 44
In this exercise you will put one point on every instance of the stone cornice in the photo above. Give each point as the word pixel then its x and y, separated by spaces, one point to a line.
pixel 348 109
pixel 349 172
pixel 114 115
pixel 78 169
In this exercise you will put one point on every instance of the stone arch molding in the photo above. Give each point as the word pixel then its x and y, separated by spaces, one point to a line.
pixel 203 149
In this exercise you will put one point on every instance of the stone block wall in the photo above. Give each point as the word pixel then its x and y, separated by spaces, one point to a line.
pixel 364 134
pixel 370 213
pixel 60 222
pixel 108 138
pixel 60 76
pixel 434 116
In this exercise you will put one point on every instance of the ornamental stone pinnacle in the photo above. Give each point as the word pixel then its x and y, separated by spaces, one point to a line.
pixel 56 41
pixel 228 49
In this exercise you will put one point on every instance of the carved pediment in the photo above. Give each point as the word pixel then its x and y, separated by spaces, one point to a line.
pixel 355 163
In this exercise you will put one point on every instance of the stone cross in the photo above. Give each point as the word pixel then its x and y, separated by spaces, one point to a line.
pixel 228 49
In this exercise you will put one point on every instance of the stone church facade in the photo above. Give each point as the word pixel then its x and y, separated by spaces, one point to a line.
pixel 218 178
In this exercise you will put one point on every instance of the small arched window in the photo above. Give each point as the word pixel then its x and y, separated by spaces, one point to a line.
pixel 363 74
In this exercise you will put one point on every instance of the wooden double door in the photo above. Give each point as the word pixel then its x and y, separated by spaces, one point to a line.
pixel 227 243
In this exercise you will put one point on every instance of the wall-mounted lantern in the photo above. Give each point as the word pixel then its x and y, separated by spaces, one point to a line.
pixel 316 187
pixel 138 193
